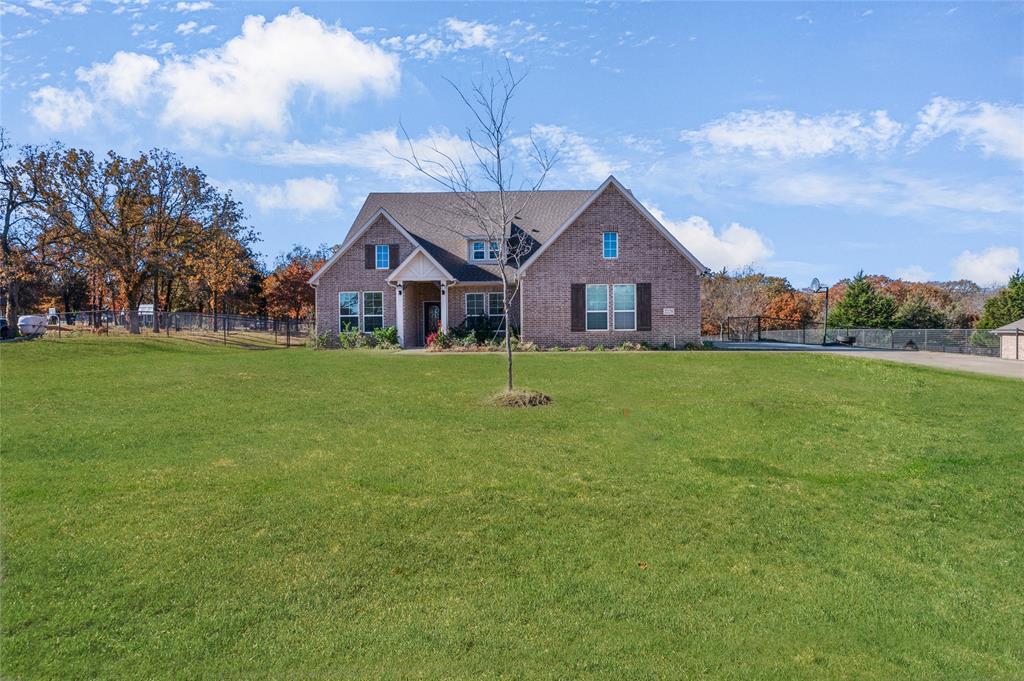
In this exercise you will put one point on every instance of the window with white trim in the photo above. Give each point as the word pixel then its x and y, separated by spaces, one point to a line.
pixel 373 310
pixel 597 307
pixel 348 310
pixel 496 304
pixel 475 305
pixel 624 307
pixel 383 256
pixel 483 251
pixel 610 243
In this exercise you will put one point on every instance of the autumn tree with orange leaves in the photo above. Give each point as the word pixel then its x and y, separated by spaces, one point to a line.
pixel 286 288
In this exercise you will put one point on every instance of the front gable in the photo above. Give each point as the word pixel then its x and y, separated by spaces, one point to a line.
pixel 349 260
pixel 612 204
pixel 577 245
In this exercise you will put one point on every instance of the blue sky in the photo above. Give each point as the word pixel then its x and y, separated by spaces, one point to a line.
pixel 804 139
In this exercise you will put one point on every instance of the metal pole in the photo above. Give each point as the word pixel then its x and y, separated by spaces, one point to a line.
pixel 287 333
pixel 758 327
pixel 824 331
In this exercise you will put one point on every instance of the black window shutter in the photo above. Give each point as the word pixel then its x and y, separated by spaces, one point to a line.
pixel 579 307
pixel 393 256
pixel 371 257
pixel 643 307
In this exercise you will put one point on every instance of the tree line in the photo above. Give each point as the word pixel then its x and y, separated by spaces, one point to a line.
pixel 862 301
pixel 88 232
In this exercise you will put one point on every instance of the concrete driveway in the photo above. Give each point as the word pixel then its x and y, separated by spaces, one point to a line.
pixel 992 366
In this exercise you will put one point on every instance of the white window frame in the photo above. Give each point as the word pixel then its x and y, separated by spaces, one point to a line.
pixel 490 311
pixel 615 326
pixel 604 253
pixel 483 304
pixel 588 311
pixel 363 309
pixel 489 250
pixel 376 257
pixel 341 325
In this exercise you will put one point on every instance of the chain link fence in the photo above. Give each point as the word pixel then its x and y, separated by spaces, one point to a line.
pixel 963 341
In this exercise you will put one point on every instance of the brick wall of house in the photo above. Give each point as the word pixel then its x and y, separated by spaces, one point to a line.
pixel 645 256
pixel 349 273
pixel 457 303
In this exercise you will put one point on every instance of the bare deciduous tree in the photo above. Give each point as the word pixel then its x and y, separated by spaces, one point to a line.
pixel 488 195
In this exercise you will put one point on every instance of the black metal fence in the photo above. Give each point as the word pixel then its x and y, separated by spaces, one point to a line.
pixel 963 341
pixel 229 329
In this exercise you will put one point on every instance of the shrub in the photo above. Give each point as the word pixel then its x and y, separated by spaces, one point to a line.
pixel 580 348
pixel 386 337
pixel 319 341
pixel 555 348
pixel 526 346
pixel 598 348
pixel 630 345
pixel 351 338
pixel 439 340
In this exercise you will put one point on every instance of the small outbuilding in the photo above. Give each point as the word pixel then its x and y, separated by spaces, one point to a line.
pixel 1011 340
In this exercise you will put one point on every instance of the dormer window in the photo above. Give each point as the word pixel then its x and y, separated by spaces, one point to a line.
pixel 483 251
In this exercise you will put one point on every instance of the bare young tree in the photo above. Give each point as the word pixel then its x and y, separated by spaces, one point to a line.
pixel 489 196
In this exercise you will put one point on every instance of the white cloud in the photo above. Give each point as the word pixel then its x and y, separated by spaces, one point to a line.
pixel 472 33
pixel 991 267
pixel 913 273
pixel 577 156
pixel 59 109
pixel 193 6
pixel 997 129
pixel 785 134
pixel 374 151
pixel 59 7
pixel 210 28
pixel 125 79
pixel 452 35
pixel 245 85
pixel 303 195
pixel 16 10
pixel 887 192
pixel 248 83
pixel 735 247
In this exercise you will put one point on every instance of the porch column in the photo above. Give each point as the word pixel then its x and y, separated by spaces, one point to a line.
pixel 444 306
pixel 400 314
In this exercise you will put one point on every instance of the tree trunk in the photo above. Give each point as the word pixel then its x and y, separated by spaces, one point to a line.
pixel 11 307
pixel 156 299
pixel 167 294
pixel 213 309
pixel 508 332
pixel 133 320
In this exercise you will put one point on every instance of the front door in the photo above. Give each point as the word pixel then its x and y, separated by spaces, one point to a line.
pixel 431 319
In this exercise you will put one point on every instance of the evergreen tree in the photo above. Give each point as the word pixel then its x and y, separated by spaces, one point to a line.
pixel 917 313
pixel 863 307
pixel 1006 306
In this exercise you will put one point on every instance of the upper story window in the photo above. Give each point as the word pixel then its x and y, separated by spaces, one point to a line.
pixel 610 244
pixel 483 251
pixel 383 257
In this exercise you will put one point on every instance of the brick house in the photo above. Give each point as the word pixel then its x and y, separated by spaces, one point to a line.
pixel 601 270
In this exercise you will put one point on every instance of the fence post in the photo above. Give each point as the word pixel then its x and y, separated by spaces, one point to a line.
pixel 758 327
pixel 287 333
pixel 926 340
pixel 58 326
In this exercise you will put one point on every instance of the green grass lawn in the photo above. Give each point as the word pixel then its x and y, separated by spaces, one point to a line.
pixel 172 509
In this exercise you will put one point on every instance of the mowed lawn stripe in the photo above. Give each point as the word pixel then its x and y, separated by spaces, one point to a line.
pixel 174 509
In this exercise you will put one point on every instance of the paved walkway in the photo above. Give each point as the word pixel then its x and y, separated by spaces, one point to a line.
pixel 940 360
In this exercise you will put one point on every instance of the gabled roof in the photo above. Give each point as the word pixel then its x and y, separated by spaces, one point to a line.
pixel 612 182
pixel 416 258
pixel 1011 327
pixel 437 224
pixel 354 235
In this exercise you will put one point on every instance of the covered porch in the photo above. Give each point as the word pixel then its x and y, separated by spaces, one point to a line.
pixel 421 298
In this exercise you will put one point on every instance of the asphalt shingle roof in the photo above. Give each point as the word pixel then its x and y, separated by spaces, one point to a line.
pixel 437 222
pixel 1011 327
